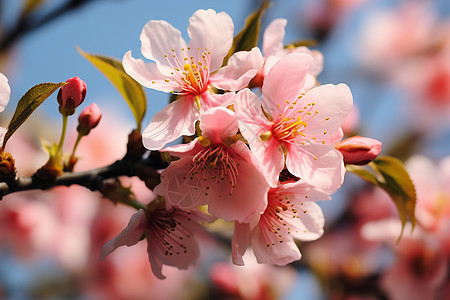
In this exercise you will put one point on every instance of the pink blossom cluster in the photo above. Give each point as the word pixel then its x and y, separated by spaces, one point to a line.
pixel 409 45
pixel 259 161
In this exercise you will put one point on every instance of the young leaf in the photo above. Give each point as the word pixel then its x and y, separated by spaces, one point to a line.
pixel 131 90
pixel 28 103
pixel 398 185
pixel 247 38
pixel 388 173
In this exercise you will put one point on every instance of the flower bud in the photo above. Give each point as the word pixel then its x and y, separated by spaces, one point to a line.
pixel 89 119
pixel 71 95
pixel 359 150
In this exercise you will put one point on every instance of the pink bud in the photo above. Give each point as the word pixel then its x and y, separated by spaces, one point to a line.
pixel 359 150
pixel 71 95
pixel 88 119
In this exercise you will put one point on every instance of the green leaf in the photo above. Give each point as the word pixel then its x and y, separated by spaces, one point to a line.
pixel 399 186
pixel 247 38
pixel 130 89
pixel 389 173
pixel 28 103
pixel 363 173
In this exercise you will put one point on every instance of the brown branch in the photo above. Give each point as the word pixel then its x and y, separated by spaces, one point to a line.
pixel 91 179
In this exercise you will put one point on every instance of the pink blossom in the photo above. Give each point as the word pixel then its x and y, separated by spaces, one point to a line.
pixel 432 189
pixel 170 237
pixel 188 70
pixel 290 214
pixel 125 274
pixel 298 127
pixel 421 267
pixel 359 150
pixel 216 169
pixel 393 36
pixel 273 50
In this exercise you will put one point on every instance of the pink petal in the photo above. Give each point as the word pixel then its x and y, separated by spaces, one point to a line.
pixel 240 242
pixel 240 69
pixel 5 92
pixel 179 191
pixel 331 101
pixel 158 38
pixel 182 249
pixel 277 253
pixel 252 121
pixel 183 150
pixel 213 31
pixel 271 159
pixel 218 123
pixel 209 100
pixel 273 38
pixel 309 226
pixel 319 165
pixel 173 121
pixel 317 64
pixel 155 262
pixel 249 197
pixel 284 81
pixel 129 236
pixel 147 74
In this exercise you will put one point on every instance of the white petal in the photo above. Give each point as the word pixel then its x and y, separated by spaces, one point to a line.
pixel 175 120
pixel 158 38
pixel 213 31
pixel 147 74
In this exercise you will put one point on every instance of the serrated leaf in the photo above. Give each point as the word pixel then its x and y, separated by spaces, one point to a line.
pixel 28 103
pixel 130 89
pixel 389 173
pixel 247 38
pixel 399 186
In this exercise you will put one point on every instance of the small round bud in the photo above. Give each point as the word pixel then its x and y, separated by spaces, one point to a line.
pixel 89 119
pixel 71 95
pixel 359 150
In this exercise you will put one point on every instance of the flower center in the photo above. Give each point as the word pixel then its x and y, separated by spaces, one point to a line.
pixel 287 129
pixel 169 231
pixel 191 72
pixel 278 220
pixel 215 165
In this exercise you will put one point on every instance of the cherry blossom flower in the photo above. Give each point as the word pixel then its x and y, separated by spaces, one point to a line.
pixel 216 169
pixel 5 92
pixel 290 213
pixel 273 50
pixel 188 70
pixel 297 127
pixel 170 237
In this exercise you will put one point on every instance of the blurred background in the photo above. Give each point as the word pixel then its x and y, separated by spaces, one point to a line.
pixel 395 57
